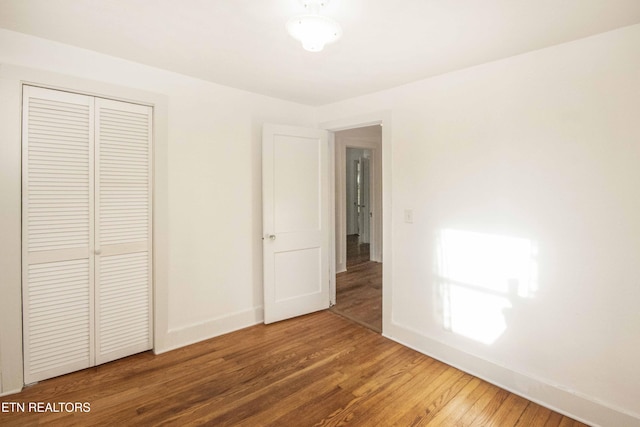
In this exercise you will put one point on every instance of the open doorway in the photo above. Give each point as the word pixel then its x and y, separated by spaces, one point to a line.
pixel 359 225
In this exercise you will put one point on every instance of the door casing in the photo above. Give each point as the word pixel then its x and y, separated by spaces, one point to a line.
pixel 382 118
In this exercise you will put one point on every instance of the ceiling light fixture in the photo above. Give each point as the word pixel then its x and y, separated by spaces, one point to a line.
pixel 313 29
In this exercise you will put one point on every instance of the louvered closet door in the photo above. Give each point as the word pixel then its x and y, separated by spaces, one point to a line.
pixel 58 142
pixel 123 229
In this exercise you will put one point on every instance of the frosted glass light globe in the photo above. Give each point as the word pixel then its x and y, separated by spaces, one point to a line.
pixel 314 31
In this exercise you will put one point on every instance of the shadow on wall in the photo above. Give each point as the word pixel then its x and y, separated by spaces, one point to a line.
pixel 479 278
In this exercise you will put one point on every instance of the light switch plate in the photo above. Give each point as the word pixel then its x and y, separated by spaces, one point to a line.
pixel 408 216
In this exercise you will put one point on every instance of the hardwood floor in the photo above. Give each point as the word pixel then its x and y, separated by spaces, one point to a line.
pixel 320 369
pixel 356 253
pixel 359 289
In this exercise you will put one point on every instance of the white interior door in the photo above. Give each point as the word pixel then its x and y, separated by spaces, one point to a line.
pixel 352 193
pixel 295 176
pixel 123 229
pixel 365 200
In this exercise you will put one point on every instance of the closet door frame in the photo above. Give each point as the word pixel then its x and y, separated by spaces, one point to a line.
pixel 28 258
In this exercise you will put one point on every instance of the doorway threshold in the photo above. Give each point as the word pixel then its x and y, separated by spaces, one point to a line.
pixel 356 320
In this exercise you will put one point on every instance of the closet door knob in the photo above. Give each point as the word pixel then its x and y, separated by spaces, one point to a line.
pixel 98 251
pixel 272 237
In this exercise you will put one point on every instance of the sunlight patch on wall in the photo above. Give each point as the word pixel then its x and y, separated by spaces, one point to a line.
pixel 479 277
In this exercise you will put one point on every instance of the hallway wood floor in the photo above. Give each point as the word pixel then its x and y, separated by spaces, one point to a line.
pixel 359 289
pixel 319 369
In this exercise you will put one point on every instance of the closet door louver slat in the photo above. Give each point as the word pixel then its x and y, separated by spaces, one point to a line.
pixel 58 135
pixel 124 325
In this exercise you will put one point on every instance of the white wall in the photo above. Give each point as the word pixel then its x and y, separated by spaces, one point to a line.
pixel 521 264
pixel 208 272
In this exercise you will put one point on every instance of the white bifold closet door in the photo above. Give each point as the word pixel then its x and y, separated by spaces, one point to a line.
pixel 86 231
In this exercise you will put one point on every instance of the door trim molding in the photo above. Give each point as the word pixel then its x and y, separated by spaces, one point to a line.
pixel 376 118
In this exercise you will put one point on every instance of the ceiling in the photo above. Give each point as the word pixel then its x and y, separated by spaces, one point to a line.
pixel 244 43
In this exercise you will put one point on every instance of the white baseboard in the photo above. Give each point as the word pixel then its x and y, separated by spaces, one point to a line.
pixel 194 333
pixel 567 402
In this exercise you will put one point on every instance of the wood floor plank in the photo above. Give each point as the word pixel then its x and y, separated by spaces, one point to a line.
pixel 509 412
pixel 390 400
pixel 459 404
pixel 553 420
pixel 486 392
pixel 533 415
pixel 492 406
pixel 423 407
pixel 319 369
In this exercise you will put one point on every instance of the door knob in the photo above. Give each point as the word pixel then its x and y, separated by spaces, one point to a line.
pixel 98 251
pixel 272 237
